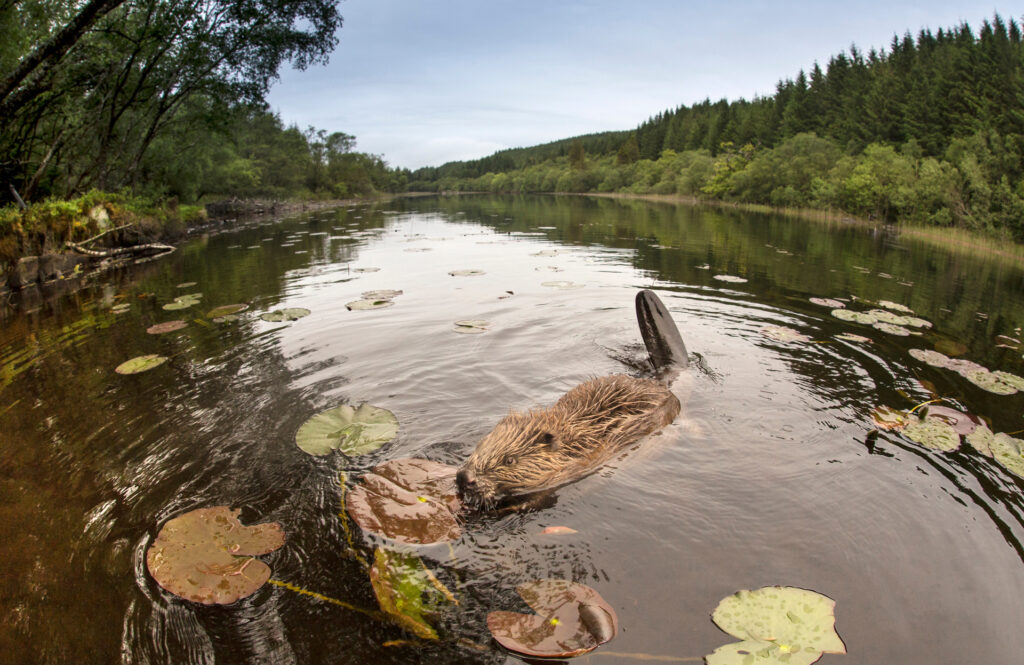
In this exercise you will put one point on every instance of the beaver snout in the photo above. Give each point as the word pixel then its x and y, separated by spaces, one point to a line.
pixel 465 481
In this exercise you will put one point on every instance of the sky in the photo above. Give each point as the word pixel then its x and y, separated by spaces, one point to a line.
pixel 426 82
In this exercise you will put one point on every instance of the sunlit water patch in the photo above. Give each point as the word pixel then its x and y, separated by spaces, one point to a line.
pixel 774 474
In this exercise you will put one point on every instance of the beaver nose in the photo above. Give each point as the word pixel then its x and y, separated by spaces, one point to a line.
pixel 465 479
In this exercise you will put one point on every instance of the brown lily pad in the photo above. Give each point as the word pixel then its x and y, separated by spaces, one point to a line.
pixel 207 555
pixel 888 418
pixel 409 500
pixel 571 619
pixel 962 423
pixel 950 347
pixel 831 303
pixel 166 327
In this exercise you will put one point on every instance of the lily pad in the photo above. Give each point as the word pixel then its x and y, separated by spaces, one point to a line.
pixel 140 364
pixel 166 327
pixel 120 309
pixel 887 317
pixel 1009 379
pixel 784 334
pixel 466 273
pixel 381 294
pixel 990 381
pixel 379 303
pixel 890 328
pixel 184 302
pixel 472 326
pixel 225 310
pixel 856 317
pixel 850 337
pixel 185 285
pixel 950 347
pixel 981 439
pixel 776 625
pixel 352 431
pixel 933 433
pixel 1009 452
pixel 961 422
pixel 407 591
pixel 409 500
pixel 561 284
pixel 828 302
pixel 571 619
pixel 896 307
pixel 206 555
pixel 731 278
pixel 289 314
pixel 933 358
pixel 888 418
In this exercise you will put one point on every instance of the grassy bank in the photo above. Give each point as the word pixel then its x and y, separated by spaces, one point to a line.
pixel 47 226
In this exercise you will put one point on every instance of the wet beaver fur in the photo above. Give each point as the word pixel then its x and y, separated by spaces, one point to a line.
pixel 541 449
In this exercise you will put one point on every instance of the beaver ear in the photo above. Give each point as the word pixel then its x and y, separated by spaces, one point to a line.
pixel 550 440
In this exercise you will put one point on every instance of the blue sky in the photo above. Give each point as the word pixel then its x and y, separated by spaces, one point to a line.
pixel 423 82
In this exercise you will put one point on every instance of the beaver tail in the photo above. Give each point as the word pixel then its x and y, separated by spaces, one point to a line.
pixel 661 336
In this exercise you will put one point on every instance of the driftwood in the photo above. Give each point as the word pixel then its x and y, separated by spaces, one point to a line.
pixel 145 251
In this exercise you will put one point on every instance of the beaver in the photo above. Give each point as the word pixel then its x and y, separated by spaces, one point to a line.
pixel 528 453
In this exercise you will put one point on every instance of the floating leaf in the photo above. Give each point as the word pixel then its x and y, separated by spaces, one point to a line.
pixel 888 418
pixel 227 318
pixel 964 367
pixel 950 347
pixel 407 591
pixel 225 310
pixel 472 326
pixel 289 314
pixel 140 364
pixel 887 317
pixel 571 619
pixel 561 284
pixel 891 328
pixel 731 278
pixel 777 625
pixel 933 433
pixel 784 334
pixel 466 273
pixel 352 431
pixel 991 382
pixel 558 531
pixel 1009 452
pixel 850 337
pixel 981 439
pixel 166 327
pixel 828 302
pixel 1009 379
pixel 933 358
pixel 857 317
pixel 408 500
pixel 378 303
pixel 185 285
pixel 896 307
pixel 381 294
pixel 206 555
pixel 961 422
pixel 184 302
pixel 120 309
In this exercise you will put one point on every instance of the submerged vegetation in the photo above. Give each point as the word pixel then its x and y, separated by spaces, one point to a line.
pixel 928 131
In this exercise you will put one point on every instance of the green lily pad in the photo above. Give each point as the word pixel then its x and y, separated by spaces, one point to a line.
pixel 933 358
pixel 964 367
pixel 225 310
pixel 466 273
pixel 571 619
pixel 855 317
pixel 981 439
pixel 1009 452
pixel 850 337
pixel 381 294
pixel 120 309
pixel 890 328
pixel 166 327
pixel 185 285
pixel 896 307
pixel 140 364
pixel 777 625
pixel 407 591
pixel 784 334
pixel 731 278
pixel 887 317
pixel 933 433
pixel 562 284
pixel 950 347
pixel 288 314
pixel 408 500
pixel 227 318
pixel 352 431
pixel 831 303
pixel 1009 379
pixel 472 326
pixel 184 302
pixel 916 322
pixel 990 381
pixel 207 555
pixel 379 303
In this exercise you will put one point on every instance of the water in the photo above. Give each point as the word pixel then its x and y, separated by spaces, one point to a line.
pixel 769 476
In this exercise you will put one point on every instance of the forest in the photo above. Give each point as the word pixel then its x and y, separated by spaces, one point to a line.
pixel 167 100
pixel 929 130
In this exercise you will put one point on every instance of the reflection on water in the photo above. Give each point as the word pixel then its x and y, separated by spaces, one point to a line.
pixel 769 477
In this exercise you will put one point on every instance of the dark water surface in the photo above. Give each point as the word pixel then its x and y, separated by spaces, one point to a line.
pixel 767 478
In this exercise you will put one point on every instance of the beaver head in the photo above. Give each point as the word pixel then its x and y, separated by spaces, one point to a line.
pixel 521 455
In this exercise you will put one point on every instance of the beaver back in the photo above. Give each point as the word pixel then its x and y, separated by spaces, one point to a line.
pixel 545 448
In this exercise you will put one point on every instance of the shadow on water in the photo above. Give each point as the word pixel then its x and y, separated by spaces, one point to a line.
pixel 769 477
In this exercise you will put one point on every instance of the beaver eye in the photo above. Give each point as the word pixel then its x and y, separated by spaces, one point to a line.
pixel 510 460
